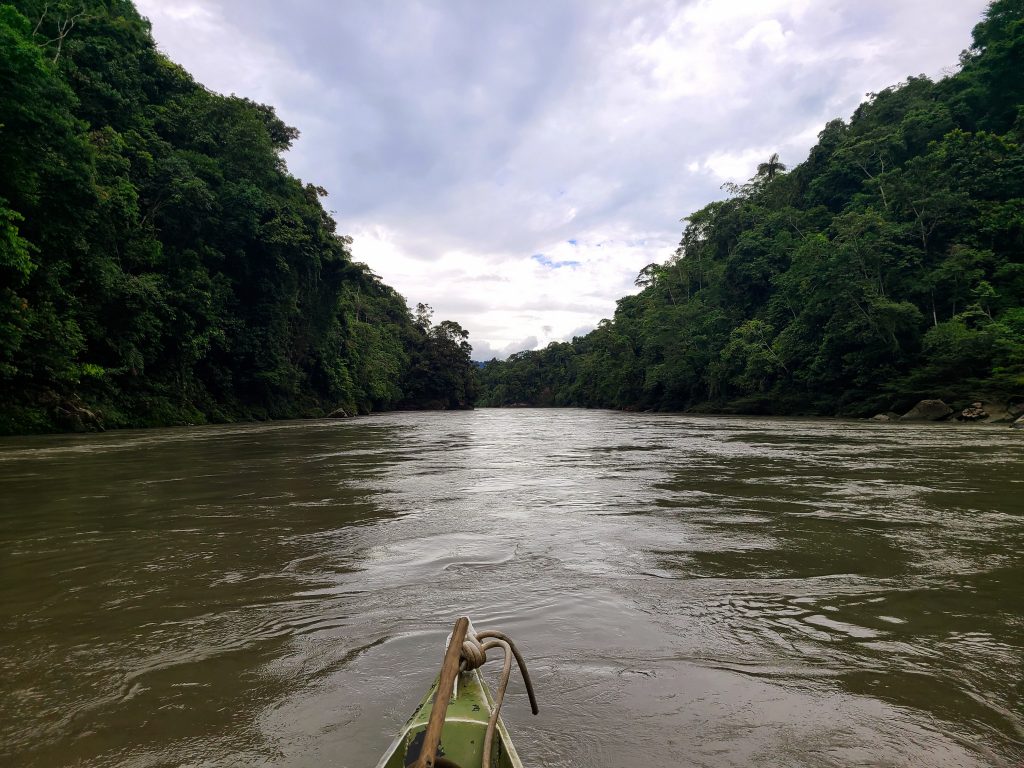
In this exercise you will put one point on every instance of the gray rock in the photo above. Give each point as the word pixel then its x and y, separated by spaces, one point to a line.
pixel 890 416
pixel 927 410
pixel 1015 407
pixel 1019 423
pixel 338 413
pixel 997 415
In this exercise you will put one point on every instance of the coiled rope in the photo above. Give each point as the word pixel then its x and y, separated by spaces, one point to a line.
pixel 472 655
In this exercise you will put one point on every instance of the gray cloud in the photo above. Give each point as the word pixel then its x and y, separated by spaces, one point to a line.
pixel 484 351
pixel 582 330
pixel 459 139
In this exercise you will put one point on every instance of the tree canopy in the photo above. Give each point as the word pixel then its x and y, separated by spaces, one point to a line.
pixel 159 265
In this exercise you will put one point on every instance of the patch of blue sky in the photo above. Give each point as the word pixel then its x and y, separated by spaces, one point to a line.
pixel 543 260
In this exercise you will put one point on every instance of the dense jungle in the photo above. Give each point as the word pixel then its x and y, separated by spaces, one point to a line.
pixel 158 263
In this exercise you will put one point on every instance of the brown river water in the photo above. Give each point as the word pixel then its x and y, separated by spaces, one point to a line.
pixel 687 591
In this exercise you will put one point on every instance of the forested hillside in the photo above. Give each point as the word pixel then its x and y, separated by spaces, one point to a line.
pixel 887 267
pixel 159 265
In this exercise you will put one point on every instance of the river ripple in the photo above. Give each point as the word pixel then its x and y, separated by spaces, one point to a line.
pixel 687 591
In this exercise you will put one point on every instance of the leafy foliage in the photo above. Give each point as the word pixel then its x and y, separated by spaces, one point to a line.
pixel 157 262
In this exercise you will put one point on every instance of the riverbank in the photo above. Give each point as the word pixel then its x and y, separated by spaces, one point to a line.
pixel 53 414
pixel 1007 412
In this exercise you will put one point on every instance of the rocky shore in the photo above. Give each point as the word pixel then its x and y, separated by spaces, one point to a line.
pixel 1009 413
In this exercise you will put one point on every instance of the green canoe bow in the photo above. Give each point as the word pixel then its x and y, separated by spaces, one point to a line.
pixel 462 738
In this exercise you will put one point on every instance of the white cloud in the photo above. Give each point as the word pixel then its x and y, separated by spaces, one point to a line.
pixel 461 140
pixel 733 166
pixel 768 33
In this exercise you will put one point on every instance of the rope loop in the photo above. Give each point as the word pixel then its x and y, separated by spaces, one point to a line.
pixel 473 653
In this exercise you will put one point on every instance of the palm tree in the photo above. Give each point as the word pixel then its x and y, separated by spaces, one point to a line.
pixel 770 169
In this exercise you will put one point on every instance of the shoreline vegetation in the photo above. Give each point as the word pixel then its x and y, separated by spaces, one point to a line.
pixel 1010 414
pixel 160 266
pixel 885 270
pixel 158 263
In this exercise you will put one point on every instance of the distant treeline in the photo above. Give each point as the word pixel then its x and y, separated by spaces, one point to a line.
pixel 887 267
pixel 159 265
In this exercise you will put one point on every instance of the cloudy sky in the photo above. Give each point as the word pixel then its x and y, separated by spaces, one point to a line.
pixel 515 164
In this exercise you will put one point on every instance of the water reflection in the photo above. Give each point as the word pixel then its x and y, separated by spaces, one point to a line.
pixel 687 590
